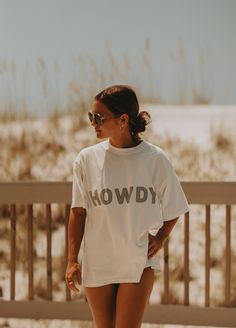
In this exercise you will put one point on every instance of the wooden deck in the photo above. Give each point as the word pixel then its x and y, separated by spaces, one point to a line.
pixel 48 193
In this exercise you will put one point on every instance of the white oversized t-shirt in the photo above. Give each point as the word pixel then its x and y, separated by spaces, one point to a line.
pixel 127 193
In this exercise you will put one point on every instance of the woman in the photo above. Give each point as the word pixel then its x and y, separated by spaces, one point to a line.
pixel 126 199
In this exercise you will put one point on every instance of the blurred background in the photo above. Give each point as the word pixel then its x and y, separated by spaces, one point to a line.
pixel 55 55
pixel 180 57
pixel 172 52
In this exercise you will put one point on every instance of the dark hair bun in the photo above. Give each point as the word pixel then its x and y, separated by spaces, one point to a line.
pixel 139 125
pixel 121 99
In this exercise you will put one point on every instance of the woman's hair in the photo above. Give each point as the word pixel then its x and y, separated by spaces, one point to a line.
pixel 121 99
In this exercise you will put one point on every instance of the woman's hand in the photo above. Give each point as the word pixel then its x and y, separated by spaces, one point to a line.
pixel 155 243
pixel 73 273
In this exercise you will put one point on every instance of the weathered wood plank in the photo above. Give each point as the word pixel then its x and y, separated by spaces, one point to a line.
pixel 207 254
pixel 156 313
pixel 60 192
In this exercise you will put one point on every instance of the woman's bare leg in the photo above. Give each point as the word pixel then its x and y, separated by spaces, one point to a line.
pixel 102 302
pixel 132 299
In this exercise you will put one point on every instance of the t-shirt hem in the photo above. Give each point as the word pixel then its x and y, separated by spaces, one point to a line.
pixel 154 268
pixel 176 214
pixel 117 280
pixel 78 205
pixel 111 281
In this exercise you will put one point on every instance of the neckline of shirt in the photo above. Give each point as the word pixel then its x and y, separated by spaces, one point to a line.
pixel 124 151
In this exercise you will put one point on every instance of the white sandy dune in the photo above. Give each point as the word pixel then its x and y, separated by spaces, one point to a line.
pixel 192 123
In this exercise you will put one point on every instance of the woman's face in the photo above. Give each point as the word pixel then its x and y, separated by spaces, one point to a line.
pixel 110 126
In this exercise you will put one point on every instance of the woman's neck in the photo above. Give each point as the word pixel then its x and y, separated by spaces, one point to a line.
pixel 125 143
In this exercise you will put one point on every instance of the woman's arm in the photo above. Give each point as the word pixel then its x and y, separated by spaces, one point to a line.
pixel 75 232
pixel 75 236
pixel 165 230
pixel 156 242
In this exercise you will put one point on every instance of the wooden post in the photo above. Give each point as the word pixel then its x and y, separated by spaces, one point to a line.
pixel 186 258
pixel 13 250
pixel 228 256
pixel 67 216
pixel 30 252
pixel 166 272
pixel 49 251
pixel 207 255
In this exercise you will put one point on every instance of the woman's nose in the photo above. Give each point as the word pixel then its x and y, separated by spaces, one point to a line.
pixel 93 123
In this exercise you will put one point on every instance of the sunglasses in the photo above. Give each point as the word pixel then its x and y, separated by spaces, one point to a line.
pixel 98 118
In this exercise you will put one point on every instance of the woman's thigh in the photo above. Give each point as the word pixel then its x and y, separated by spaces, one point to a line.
pixel 131 300
pixel 102 302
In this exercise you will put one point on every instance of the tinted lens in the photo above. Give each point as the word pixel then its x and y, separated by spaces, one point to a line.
pixel 97 117
pixel 90 116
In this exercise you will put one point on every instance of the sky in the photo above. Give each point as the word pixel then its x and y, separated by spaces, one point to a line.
pixel 191 44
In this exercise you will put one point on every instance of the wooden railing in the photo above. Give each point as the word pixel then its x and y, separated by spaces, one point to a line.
pixel 30 193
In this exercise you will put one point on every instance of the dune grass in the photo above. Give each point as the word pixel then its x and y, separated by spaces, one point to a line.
pixel 55 94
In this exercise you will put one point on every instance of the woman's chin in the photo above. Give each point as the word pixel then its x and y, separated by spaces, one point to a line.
pixel 99 134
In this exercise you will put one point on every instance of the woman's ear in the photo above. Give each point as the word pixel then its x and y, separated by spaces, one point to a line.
pixel 124 118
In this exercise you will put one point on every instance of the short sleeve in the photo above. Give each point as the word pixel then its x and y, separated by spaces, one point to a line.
pixel 78 185
pixel 170 193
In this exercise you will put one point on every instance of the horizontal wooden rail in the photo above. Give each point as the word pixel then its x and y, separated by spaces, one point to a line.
pixel 35 192
pixel 60 192
pixel 161 314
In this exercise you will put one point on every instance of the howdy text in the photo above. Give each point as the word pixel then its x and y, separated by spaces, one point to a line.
pixel 105 196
